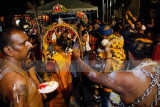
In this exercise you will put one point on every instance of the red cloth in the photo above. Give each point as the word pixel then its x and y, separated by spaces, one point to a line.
pixel 156 53
pixel 93 41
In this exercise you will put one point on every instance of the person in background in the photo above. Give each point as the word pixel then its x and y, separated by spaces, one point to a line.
pixel 151 23
pixel 83 91
pixel 59 67
pixel 156 50
pixel 135 24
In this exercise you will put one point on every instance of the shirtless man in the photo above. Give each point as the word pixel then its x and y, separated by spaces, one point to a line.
pixel 135 87
pixel 17 89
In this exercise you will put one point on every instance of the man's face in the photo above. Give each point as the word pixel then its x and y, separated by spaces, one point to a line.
pixel 138 25
pixel 20 45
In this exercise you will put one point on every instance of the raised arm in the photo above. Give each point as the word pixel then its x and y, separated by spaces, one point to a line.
pixel 131 16
pixel 105 79
pixel 108 60
pixel 129 21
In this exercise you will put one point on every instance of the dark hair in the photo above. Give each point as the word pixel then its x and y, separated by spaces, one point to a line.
pixel 63 43
pixel 5 37
pixel 116 28
pixel 140 20
pixel 140 49
pixel 84 32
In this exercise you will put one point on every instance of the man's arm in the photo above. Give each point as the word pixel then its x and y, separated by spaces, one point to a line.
pixel 130 15
pixel 108 59
pixel 129 21
pixel 105 79
pixel 20 92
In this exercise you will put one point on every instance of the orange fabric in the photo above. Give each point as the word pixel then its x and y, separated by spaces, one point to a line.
pixel 144 40
pixel 64 79
pixel 107 90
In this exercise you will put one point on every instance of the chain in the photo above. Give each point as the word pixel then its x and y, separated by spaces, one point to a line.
pixel 154 81
pixel 158 88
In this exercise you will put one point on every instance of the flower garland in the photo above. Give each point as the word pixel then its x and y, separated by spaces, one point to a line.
pixel 117 51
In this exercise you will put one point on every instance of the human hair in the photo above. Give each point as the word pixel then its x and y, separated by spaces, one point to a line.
pixel 84 32
pixel 63 43
pixel 140 20
pixel 140 50
pixel 5 37
pixel 116 28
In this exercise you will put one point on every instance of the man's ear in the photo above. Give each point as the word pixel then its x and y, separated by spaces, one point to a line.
pixel 130 55
pixel 8 50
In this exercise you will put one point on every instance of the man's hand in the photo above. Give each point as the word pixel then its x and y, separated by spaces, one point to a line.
pixel 76 53
pixel 129 13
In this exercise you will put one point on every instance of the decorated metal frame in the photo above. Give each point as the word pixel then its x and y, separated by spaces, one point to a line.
pixel 58 29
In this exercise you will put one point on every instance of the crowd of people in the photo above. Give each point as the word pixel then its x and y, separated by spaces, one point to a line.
pixel 119 65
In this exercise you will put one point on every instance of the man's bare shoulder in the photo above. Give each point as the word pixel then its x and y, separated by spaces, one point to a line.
pixel 11 77
pixel 128 79
pixel 131 76
pixel 119 79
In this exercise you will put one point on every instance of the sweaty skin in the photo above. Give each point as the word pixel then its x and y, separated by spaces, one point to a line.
pixel 126 84
pixel 17 89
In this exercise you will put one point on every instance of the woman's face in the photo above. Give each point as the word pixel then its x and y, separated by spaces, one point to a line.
pixel 84 38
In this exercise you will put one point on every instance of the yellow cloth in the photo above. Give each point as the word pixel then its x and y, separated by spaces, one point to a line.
pixel 64 79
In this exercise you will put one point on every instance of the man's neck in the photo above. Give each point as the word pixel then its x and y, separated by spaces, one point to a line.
pixel 136 62
pixel 13 61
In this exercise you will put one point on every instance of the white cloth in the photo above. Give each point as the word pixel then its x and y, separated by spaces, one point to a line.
pixel 143 27
pixel 88 48
pixel 54 36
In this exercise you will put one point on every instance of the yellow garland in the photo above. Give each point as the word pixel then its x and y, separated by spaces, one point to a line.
pixel 117 51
